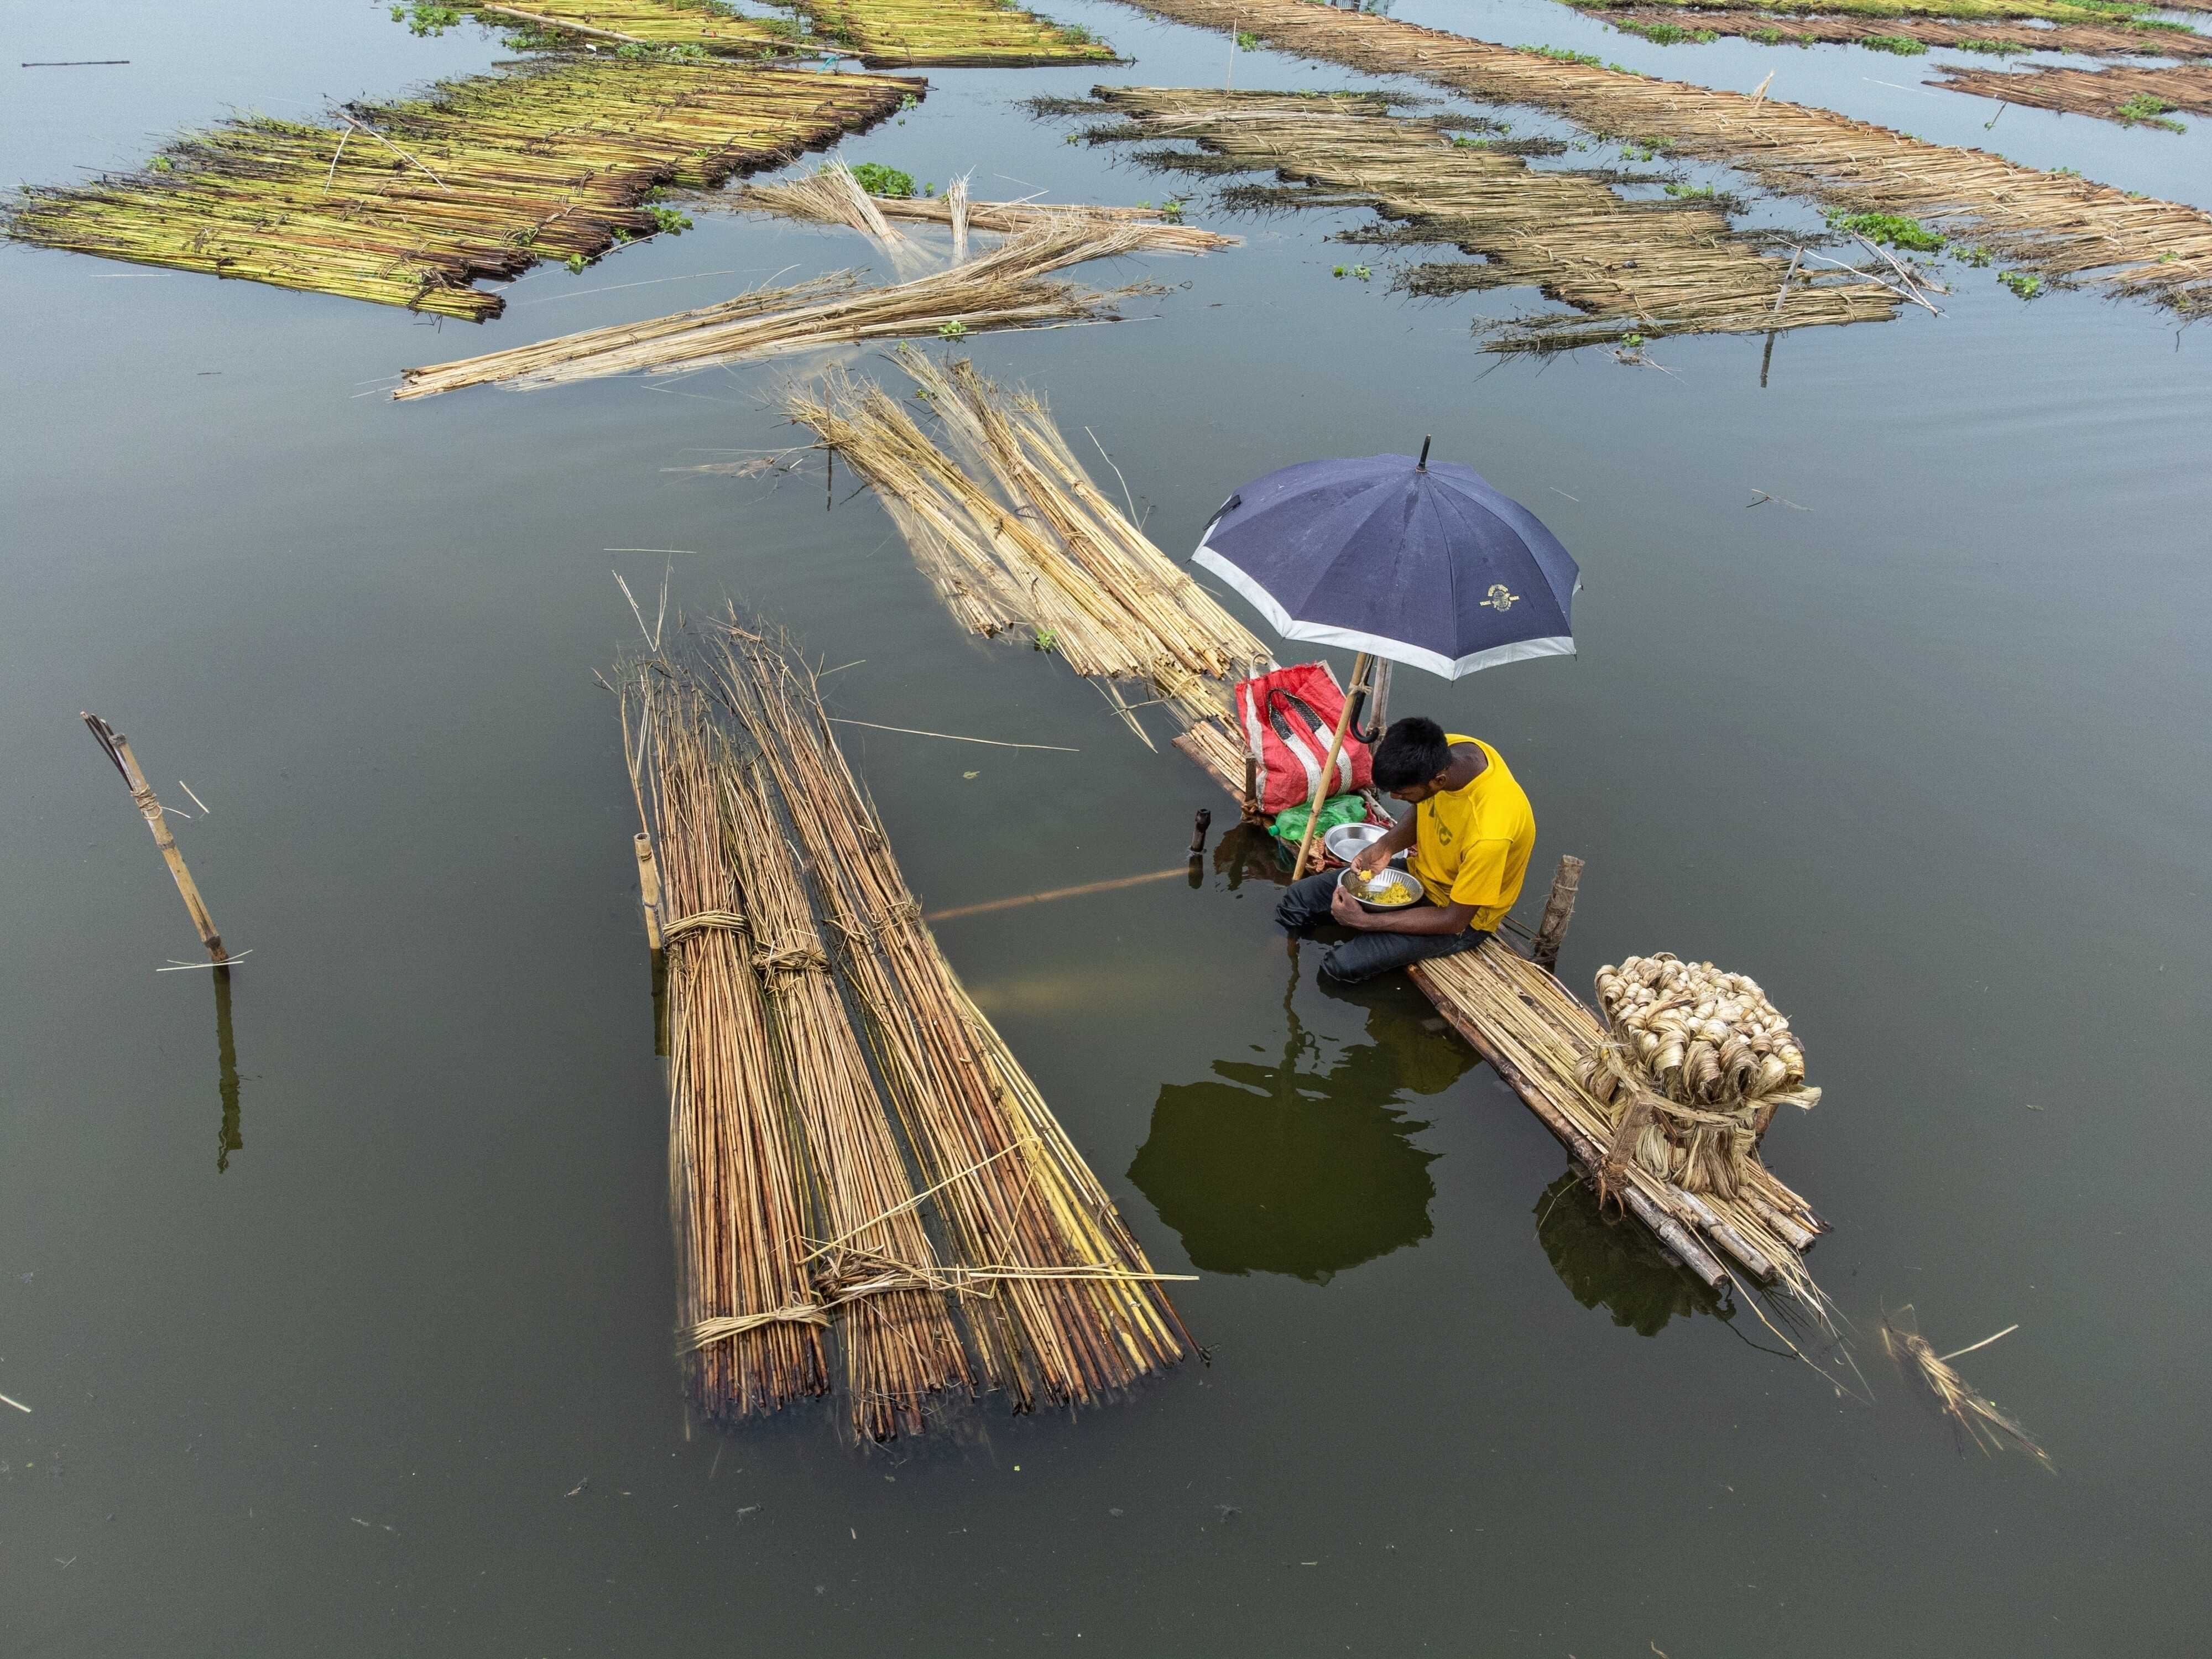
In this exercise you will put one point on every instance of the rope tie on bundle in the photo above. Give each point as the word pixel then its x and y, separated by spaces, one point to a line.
pixel 725 1326
pixel 1697 1062
pixel 699 920
pixel 790 961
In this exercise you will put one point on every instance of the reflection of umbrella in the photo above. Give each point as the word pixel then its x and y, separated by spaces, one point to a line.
pixel 1395 558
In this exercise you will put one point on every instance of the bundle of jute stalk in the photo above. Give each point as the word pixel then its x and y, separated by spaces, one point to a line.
pixel 1698 1061
pixel 1061 1304
pixel 1006 288
pixel 898 1344
pixel 1010 528
pixel 747 1311
pixel 832 195
pixel 1542 1041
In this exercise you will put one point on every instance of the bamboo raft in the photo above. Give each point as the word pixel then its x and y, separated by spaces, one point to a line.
pixel 1541 1040
pixel 866 1187
pixel 2130 96
pixel 411 204
pixel 2088 34
pixel 1626 267
pixel 2057 225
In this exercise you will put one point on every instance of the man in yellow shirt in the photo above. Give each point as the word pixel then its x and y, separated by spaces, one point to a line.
pixel 1471 833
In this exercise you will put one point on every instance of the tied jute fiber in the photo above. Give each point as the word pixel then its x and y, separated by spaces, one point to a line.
pixel 1695 1063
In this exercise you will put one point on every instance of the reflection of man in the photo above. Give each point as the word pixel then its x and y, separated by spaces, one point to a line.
pixel 1471 833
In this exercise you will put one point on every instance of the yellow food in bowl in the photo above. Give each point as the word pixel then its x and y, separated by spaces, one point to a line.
pixel 1388 888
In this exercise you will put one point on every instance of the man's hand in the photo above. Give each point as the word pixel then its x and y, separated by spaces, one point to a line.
pixel 1346 909
pixel 1370 858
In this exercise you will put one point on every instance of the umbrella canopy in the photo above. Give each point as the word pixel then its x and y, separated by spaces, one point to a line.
pixel 1426 565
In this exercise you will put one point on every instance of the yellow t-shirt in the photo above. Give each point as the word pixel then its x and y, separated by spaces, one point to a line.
pixel 1471 845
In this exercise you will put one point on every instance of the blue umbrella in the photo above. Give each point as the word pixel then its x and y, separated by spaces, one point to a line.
pixel 1388 556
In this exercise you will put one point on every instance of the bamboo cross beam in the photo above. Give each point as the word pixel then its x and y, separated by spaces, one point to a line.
pixel 116 747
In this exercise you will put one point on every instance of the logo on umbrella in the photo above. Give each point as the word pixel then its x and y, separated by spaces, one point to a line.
pixel 1501 598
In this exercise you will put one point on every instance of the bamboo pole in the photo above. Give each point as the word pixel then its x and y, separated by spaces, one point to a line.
pixel 118 749
pixel 1361 666
pixel 1558 911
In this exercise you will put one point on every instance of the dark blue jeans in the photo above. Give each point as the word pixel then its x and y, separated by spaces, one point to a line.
pixel 1362 955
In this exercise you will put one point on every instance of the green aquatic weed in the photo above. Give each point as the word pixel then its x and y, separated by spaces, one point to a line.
pixel 877 179
pixel 1890 229
pixel 2145 111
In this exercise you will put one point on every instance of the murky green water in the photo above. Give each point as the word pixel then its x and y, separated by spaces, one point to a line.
pixel 324 1309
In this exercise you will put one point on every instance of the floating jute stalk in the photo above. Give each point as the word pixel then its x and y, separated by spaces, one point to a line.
pixel 1976 1418
pixel 828 196
pixel 1007 287
pixel 835 1219
pixel 2132 96
pixel 116 747
pixel 870 1257
pixel 412 203
pixel 887 32
pixel 1073 1311
pixel 2057 225
pixel 2087 33
pixel 748 1314
pixel 1012 532
pixel 1647 267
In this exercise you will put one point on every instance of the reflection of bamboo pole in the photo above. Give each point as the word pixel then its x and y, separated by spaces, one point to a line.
pixel 118 749
pixel 230 1139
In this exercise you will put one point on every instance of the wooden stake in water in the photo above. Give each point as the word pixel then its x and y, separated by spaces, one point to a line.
pixel 118 749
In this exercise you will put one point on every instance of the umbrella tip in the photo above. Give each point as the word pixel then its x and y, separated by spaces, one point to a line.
pixel 1422 466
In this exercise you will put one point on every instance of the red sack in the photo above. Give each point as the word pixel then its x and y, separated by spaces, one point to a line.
pixel 1287 716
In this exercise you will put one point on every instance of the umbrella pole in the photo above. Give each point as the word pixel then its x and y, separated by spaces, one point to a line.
pixel 1362 665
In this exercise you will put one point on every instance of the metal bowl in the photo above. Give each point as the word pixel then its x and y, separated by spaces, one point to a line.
pixel 1344 843
pixel 1401 879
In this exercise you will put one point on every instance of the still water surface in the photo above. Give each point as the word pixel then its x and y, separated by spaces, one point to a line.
pixel 345 1317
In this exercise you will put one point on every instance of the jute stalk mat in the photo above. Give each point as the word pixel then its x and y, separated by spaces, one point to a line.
pixel 1628 267
pixel 411 204
pixel 2101 39
pixel 2057 225
pixel 882 32
pixel 866 1186
pixel 2126 95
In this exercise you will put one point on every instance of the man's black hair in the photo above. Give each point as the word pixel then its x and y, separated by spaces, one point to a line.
pixel 1412 751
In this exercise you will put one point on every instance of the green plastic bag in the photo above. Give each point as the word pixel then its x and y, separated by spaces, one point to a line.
pixel 1289 824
